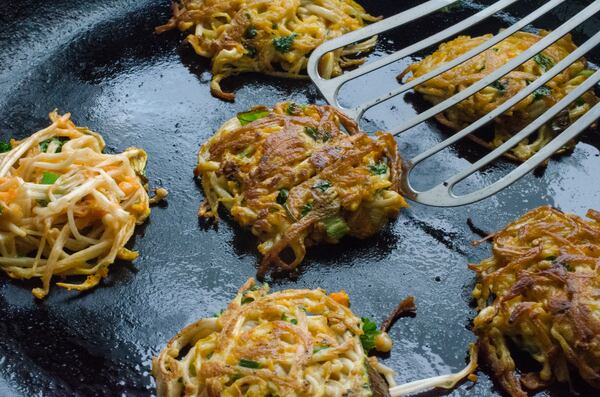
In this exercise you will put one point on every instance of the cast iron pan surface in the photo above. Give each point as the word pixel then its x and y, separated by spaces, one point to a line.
pixel 100 60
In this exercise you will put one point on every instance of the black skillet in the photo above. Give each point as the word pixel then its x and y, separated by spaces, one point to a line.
pixel 100 60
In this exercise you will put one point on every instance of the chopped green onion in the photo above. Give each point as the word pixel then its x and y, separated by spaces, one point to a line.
pixel 249 364
pixel 282 196
pixel 5 147
pixel 543 61
pixel 253 115
pixel 306 208
pixel 370 332
pixel 284 44
pixel 294 321
pixel 336 227
pixel 311 132
pixel 322 185
pixel 48 178
pixel 586 73
pixel 580 101
pixel 319 348
pixel 378 168
pixel 541 92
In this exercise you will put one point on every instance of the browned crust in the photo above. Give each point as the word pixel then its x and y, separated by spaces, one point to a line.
pixel 543 277
pixel 289 158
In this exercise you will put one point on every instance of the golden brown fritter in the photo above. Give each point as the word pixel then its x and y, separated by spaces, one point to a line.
pixel 273 37
pixel 541 290
pixel 476 106
pixel 67 208
pixel 293 343
pixel 296 178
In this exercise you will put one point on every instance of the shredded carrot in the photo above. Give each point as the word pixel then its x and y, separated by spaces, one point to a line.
pixel 341 297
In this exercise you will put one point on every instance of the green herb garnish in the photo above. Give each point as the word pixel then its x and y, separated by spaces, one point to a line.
pixel 282 196
pixel 319 348
pixel 370 332
pixel 5 147
pixel 284 44
pixel 248 299
pixel 311 132
pixel 541 92
pixel 250 32
pixel 250 51
pixel 48 178
pixel 253 115
pixel 543 61
pixel 378 168
pixel 60 141
pixel 306 208
pixel 322 185
pixel 580 101
pixel 249 364
pixel 336 227
pixel 293 108
pixel 286 318
pixel 586 73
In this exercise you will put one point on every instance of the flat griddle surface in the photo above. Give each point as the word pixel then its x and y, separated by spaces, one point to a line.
pixel 100 61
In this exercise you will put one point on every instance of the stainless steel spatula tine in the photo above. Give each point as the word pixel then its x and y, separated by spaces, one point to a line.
pixel 442 194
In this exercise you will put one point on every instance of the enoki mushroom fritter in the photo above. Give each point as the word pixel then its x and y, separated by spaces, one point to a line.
pixel 273 37
pixel 67 209
pixel 476 106
pixel 540 291
pixel 296 178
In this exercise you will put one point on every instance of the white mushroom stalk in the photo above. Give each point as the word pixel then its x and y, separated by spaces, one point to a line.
pixel 443 381
pixel 66 208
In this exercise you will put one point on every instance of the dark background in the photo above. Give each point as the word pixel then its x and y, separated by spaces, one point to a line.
pixel 101 61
